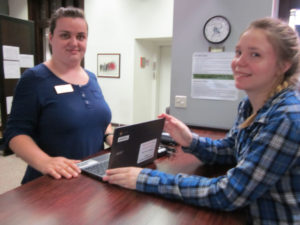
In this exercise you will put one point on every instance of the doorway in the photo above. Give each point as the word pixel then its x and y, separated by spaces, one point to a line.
pixel 152 78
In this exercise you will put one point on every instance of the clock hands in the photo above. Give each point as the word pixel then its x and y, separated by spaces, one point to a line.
pixel 216 29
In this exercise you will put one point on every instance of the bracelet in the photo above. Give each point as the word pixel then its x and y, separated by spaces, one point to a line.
pixel 105 136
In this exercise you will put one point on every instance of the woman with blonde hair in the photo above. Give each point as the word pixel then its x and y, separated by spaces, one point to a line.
pixel 264 143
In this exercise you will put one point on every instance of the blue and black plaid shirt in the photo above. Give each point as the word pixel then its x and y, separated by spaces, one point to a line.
pixel 266 178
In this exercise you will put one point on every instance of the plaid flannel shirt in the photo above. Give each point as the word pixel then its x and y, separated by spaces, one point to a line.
pixel 266 178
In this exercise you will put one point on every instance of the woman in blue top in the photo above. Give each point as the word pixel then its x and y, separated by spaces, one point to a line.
pixel 264 142
pixel 59 114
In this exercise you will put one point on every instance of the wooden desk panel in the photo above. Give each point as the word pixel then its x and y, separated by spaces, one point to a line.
pixel 84 200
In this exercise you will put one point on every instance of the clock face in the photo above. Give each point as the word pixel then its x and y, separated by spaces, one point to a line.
pixel 216 29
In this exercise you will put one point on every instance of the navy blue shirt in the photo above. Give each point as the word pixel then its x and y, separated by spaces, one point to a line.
pixel 70 124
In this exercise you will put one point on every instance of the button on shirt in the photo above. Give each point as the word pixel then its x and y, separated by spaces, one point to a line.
pixel 266 179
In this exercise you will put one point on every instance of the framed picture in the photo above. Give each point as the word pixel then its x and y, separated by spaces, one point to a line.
pixel 108 65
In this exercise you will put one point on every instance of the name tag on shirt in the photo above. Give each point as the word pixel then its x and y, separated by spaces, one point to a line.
pixel 61 89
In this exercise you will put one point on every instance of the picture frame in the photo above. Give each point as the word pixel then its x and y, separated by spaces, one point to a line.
pixel 108 65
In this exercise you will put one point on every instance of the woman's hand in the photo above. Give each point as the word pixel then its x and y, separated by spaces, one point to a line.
pixel 125 176
pixel 177 129
pixel 59 167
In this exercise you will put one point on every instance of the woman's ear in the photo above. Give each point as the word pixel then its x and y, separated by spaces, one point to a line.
pixel 285 66
pixel 50 37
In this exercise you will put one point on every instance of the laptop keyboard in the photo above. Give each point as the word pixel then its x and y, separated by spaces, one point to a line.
pixel 98 168
pixel 97 165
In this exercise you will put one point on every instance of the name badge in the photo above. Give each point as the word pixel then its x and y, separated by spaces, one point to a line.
pixel 61 89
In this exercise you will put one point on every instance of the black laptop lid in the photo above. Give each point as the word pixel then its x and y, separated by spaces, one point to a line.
pixel 137 144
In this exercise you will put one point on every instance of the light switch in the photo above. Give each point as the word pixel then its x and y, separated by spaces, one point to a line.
pixel 180 101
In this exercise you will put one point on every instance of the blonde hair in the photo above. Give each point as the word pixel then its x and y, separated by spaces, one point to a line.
pixel 285 42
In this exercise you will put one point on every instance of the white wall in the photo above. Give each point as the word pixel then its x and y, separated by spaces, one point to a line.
pixel 18 9
pixel 113 27
pixel 151 82
pixel 165 79
pixel 145 81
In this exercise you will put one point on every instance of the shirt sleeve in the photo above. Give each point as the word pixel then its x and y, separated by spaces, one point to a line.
pixel 213 151
pixel 269 156
pixel 220 151
pixel 25 107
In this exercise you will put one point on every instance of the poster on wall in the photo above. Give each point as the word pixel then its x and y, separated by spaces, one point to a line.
pixel 212 76
pixel 108 65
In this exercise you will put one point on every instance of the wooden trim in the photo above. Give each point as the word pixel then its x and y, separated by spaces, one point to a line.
pixel 208 128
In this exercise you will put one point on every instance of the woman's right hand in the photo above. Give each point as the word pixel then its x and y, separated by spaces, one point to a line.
pixel 59 167
pixel 177 129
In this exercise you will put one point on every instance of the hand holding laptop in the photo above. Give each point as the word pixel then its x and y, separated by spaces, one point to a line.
pixel 177 129
pixel 125 176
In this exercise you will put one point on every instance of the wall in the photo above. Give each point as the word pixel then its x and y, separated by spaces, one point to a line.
pixel 189 19
pixel 164 88
pixel 144 84
pixel 18 9
pixel 152 80
pixel 113 28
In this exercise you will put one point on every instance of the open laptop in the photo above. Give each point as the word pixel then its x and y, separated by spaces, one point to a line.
pixel 133 145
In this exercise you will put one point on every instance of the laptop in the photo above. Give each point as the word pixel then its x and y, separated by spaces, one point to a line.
pixel 133 145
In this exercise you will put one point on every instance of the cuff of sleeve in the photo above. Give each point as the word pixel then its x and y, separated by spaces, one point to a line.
pixel 142 179
pixel 192 145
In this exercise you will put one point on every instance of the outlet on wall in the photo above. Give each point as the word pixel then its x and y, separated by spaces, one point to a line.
pixel 180 101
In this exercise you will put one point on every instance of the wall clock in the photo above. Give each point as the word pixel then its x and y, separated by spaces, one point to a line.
pixel 216 29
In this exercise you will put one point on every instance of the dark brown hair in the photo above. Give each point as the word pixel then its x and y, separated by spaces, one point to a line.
pixel 65 12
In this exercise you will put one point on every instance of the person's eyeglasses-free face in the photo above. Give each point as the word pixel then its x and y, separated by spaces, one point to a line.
pixel 69 40
pixel 255 63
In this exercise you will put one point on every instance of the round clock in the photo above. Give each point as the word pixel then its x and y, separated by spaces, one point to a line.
pixel 216 29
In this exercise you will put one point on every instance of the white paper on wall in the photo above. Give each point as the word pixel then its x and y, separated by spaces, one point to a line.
pixel 11 69
pixel 11 52
pixel 26 61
